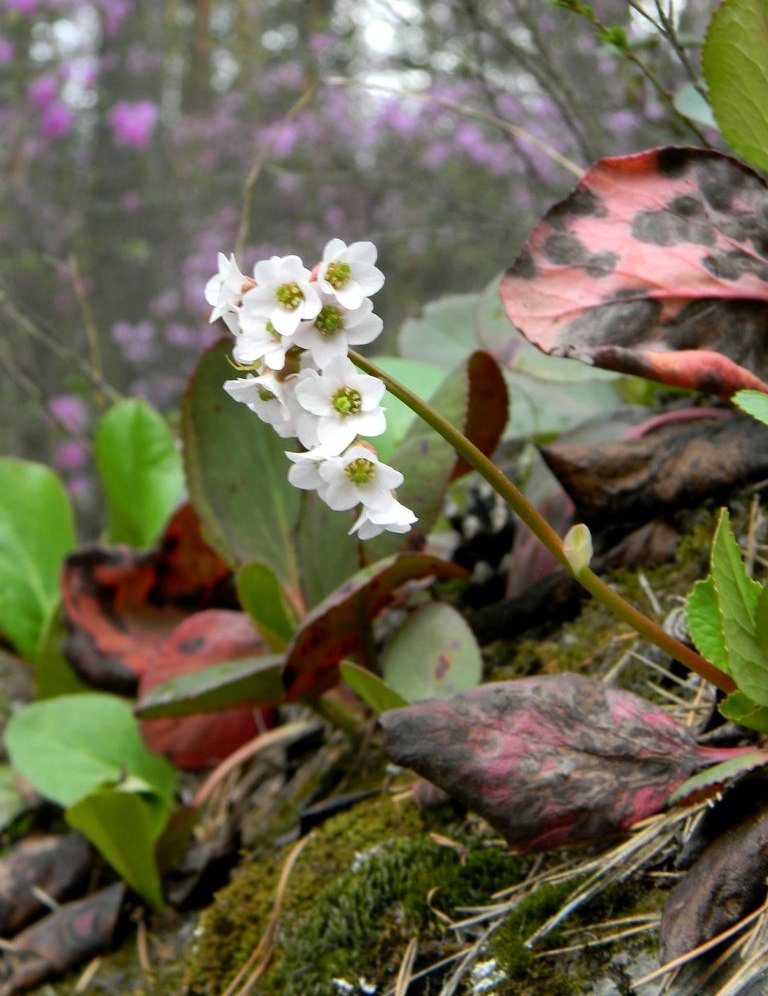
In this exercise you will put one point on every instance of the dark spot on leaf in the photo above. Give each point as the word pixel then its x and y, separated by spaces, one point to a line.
pixel 442 667
pixel 192 645
pixel 687 206
pixel 565 249
pixel 524 266
pixel 582 203
pixel 673 162
pixel 733 264
pixel 621 322
pixel 669 228
pixel 720 180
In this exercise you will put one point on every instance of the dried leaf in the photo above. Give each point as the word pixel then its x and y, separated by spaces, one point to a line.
pixel 655 265
pixel 548 761
pixel 121 605
pixel 725 884
pixel 59 865
pixel 61 941
pixel 680 464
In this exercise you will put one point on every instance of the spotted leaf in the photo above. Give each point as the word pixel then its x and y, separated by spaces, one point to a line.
pixel 548 761
pixel 656 265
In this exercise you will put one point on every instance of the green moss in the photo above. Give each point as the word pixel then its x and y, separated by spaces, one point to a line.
pixel 367 882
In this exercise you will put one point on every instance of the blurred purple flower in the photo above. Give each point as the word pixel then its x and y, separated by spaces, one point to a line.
pixel 320 42
pixel 114 12
pixel 136 342
pixel 43 91
pixel 6 50
pixel 70 455
pixel 24 7
pixel 70 411
pixel 79 487
pixel 57 120
pixel 134 122
pixel 622 122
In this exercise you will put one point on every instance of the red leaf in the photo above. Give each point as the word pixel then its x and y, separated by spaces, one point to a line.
pixel 206 638
pixel 337 626
pixel 547 761
pixel 487 408
pixel 656 264
pixel 121 604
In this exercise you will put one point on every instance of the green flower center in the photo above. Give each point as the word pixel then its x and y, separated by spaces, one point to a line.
pixel 330 320
pixel 361 471
pixel 289 296
pixel 337 274
pixel 273 332
pixel 347 401
pixel 266 395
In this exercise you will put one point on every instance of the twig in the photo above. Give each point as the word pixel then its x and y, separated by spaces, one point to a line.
pixel 470 112
pixel 258 164
pixel 283 734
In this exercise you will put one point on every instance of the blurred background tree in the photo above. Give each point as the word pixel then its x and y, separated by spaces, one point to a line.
pixel 133 133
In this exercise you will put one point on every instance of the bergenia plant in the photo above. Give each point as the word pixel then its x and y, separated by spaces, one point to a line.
pixel 293 328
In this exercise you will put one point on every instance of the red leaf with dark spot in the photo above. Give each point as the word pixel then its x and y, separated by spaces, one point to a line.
pixel 657 265
pixel 336 627
pixel 548 761
pixel 122 604
pixel 487 407
pixel 206 638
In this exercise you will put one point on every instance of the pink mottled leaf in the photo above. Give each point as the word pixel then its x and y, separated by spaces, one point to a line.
pixel 337 627
pixel 656 265
pixel 548 761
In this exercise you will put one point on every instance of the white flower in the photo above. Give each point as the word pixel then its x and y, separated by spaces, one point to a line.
pixel 357 476
pixel 258 340
pixel 348 273
pixel 344 402
pixel 336 328
pixel 305 472
pixel 395 518
pixel 265 396
pixel 283 294
pixel 225 289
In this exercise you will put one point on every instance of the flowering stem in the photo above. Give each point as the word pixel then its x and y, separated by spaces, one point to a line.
pixel 545 533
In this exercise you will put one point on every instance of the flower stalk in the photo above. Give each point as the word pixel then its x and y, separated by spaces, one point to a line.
pixel 544 532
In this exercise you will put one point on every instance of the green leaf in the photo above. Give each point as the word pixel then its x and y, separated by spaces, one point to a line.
pixel 122 827
pixel 741 709
pixel 13 800
pixel 761 618
pixel 754 403
pixel 737 596
pixel 691 104
pixel 736 70
pixel 237 473
pixel 70 746
pixel 707 782
pixel 262 597
pixel 421 378
pixel 705 625
pixel 250 679
pixel 371 689
pixel 326 555
pixel 444 334
pixel 36 533
pixel 140 468
pixel 434 654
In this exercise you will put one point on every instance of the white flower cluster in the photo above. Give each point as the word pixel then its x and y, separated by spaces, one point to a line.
pixel 292 329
